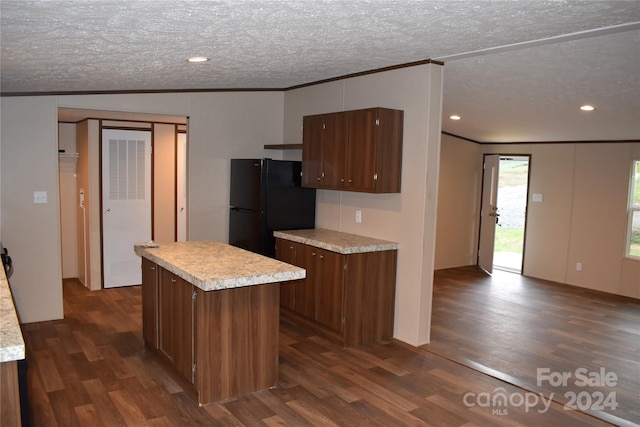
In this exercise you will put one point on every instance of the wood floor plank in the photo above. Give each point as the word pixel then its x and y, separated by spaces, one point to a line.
pixel 311 413
pixel 107 411
pixel 282 411
pixel 221 416
pixel 62 408
pixel 48 371
pixel 74 390
pixel 382 392
pixel 126 406
pixel 87 415
pixel 399 416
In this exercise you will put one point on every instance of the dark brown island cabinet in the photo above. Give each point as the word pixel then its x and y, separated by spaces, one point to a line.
pixel 210 315
pixel 348 294
pixel 358 150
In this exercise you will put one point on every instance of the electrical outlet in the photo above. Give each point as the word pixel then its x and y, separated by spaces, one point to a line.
pixel 578 266
pixel 358 216
pixel 39 197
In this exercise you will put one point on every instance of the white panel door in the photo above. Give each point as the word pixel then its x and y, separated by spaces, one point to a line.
pixel 126 203
pixel 181 187
pixel 488 212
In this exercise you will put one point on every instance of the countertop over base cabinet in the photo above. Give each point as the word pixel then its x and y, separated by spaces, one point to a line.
pixel 346 297
pixel 358 150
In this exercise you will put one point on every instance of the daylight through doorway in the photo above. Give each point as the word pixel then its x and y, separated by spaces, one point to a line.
pixel 513 179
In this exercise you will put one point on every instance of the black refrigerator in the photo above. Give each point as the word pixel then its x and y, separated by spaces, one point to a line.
pixel 266 195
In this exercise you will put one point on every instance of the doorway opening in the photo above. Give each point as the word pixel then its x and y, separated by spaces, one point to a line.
pixel 83 208
pixel 505 192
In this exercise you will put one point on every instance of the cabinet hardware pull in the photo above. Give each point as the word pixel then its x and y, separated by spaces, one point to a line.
pixel 173 280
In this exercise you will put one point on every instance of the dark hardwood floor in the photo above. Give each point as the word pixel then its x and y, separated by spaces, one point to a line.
pixel 91 369
pixel 509 326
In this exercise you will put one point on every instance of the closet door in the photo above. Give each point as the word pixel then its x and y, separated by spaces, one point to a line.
pixel 126 203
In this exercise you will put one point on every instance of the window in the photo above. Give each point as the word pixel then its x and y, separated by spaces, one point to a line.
pixel 633 227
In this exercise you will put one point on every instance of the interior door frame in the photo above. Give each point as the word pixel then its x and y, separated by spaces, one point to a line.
pixel 101 128
pixel 526 212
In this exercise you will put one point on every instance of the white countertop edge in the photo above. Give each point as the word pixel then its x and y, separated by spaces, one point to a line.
pixel 370 248
pixel 241 282
pixel 230 283
pixel 12 353
pixel 389 246
pixel 12 346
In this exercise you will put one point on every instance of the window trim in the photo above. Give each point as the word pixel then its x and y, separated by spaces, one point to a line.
pixel 635 168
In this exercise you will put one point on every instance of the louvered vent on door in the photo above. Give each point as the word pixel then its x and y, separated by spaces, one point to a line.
pixel 126 169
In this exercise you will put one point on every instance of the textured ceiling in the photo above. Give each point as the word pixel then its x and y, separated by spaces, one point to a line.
pixel 496 53
pixel 534 94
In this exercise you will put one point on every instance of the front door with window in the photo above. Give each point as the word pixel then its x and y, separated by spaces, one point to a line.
pixel 503 214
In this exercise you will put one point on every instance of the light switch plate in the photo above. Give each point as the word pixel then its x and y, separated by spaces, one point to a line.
pixel 39 197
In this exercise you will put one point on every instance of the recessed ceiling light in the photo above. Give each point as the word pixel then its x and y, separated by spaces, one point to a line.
pixel 196 59
pixel 587 108
pixel 455 117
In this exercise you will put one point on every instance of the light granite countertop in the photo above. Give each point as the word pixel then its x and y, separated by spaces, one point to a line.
pixel 212 265
pixel 11 340
pixel 336 241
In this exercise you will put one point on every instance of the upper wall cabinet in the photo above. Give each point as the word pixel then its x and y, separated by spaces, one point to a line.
pixel 359 150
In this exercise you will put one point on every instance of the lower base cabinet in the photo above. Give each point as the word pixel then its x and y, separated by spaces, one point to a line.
pixel 176 307
pixel 348 298
pixel 10 415
pixel 216 344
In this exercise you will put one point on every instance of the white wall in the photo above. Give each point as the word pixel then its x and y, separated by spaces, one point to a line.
pixel 458 201
pixel 29 133
pixel 222 125
pixel 409 217
pixel 582 217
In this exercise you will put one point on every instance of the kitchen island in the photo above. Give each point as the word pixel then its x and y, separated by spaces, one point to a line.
pixel 210 313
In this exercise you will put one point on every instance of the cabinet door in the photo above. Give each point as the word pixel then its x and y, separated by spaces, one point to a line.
pixel 166 313
pixel 286 252
pixel 388 154
pixel 361 150
pixel 334 150
pixel 150 303
pixel 176 322
pixel 330 289
pixel 183 304
pixel 307 258
pixel 312 131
